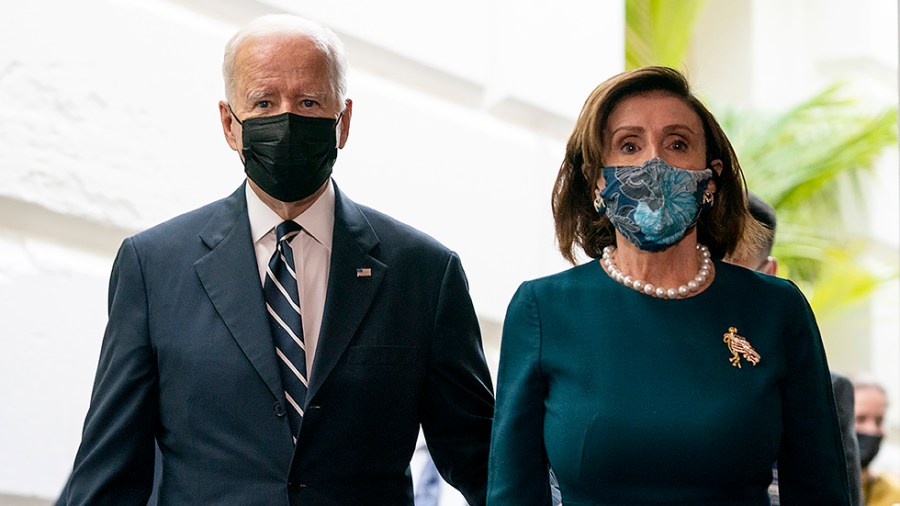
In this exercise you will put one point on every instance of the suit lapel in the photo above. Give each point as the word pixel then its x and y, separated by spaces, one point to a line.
pixel 350 293
pixel 230 277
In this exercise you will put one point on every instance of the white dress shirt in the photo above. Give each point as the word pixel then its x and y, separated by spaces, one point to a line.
pixel 312 256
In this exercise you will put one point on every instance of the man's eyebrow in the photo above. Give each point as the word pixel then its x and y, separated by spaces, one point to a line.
pixel 257 94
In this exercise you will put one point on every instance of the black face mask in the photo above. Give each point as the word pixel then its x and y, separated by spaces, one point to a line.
pixel 868 448
pixel 289 156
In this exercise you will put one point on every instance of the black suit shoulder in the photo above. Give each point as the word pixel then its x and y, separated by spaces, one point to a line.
pixel 398 238
pixel 187 226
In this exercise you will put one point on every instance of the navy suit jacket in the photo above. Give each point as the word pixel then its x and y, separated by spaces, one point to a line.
pixel 187 360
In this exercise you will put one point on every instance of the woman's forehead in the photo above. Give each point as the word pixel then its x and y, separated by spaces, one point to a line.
pixel 653 110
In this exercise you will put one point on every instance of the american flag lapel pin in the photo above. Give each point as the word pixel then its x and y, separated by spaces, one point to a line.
pixel 364 272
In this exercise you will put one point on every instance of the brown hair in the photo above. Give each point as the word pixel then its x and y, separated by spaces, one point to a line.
pixel 577 222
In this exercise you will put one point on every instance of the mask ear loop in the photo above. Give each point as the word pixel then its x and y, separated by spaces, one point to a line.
pixel 235 116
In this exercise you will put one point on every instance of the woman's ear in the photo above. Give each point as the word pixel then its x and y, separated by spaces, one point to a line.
pixel 716 166
pixel 599 184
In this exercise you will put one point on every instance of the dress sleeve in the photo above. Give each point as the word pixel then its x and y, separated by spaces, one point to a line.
pixel 114 464
pixel 518 469
pixel 811 465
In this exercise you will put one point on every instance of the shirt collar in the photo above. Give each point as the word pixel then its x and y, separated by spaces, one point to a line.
pixel 317 220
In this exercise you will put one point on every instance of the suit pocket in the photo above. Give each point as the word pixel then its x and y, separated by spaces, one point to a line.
pixel 381 354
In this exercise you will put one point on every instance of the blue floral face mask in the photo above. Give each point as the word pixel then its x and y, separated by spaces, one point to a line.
pixel 653 204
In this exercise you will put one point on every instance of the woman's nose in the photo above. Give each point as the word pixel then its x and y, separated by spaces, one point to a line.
pixel 653 151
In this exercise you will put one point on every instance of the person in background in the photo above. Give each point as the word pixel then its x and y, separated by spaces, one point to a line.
pixel 655 373
pixel 758 256
pixel 871 406
pixel 429 487
pixel 762 260
pixel 284 345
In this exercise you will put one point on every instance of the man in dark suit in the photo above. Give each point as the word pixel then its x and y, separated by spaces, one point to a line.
pixel 191 359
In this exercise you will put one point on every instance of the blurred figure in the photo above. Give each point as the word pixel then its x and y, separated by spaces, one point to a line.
pixel 871 406
pixel 759 257
pixel 762 260
pixel 429 487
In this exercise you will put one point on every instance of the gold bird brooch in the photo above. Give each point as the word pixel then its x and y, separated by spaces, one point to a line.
pixel 740 347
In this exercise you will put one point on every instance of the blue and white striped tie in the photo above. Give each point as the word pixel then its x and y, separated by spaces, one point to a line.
pixel 283 305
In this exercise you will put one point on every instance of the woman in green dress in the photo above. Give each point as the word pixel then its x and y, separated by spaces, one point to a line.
pixel 655 373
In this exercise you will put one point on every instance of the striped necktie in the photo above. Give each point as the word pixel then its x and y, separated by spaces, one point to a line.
pixel 283 305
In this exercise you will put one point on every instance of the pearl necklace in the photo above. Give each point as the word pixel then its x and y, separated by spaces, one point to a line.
pixel 672 293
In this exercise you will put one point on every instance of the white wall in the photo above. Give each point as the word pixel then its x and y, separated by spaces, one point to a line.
pixel 103 104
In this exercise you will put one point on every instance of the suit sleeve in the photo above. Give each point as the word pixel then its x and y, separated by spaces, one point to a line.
pixel 458 401
pixel 114 464
pixel 519 471
pixel 811 464
pixel 844 398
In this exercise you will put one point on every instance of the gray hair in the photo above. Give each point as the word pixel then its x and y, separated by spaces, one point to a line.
pixel 287 24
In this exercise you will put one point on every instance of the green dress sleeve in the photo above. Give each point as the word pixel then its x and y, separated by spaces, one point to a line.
pixel 811 464
pixel 518 469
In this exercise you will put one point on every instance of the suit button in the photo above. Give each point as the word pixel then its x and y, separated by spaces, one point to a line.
pixel 279 409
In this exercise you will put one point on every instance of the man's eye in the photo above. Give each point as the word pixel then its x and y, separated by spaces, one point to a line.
pixel 263 104
pixel 309 103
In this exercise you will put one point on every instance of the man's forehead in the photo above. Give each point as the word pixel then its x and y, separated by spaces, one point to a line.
pixel 267 44
pixel 280 54
pixel 263 67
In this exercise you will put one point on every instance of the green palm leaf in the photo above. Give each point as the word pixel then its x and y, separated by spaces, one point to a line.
pixel 655 32
pixel 811 162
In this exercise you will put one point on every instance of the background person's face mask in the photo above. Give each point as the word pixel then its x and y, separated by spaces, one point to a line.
pixel 653 204
pixel 868 448
pixel 287 155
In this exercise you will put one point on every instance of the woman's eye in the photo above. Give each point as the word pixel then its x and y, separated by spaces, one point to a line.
pixel 679 146
pixel 629 147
